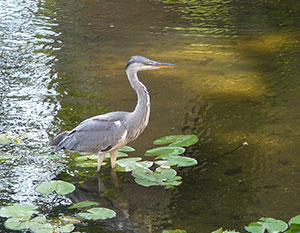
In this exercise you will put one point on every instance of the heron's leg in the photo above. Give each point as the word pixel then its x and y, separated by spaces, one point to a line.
pixel 101 156
pixel 113 158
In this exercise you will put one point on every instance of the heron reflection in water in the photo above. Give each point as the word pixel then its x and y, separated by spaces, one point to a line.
pixel 109 132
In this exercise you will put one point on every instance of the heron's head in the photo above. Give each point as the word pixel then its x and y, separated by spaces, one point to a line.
pixel 137 63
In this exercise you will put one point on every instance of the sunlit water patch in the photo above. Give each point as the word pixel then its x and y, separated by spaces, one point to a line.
pixel 26 39
pixel 241 62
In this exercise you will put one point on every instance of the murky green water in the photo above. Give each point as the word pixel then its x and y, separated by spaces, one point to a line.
pixel 237 80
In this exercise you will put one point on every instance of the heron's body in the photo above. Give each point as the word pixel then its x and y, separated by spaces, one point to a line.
pixel 109 132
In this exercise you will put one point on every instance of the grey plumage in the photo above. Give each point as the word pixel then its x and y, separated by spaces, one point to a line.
pixel 109 132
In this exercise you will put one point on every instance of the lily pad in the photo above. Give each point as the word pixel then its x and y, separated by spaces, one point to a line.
pixel 165 150
pixel 177 140
pixel 130 164
pixel 83 204
pixel 255 227
pixel 98 214
pixel 180 161
pixel 220 230
pixel 270 224
pixel 16 223
pixel 66 229
pixel 119 155
pixel 95 157
pixel 18 211
pixel 38 224
pixel 127 149
pixel 59 186
pixel 86 158
pixel 64 223
pixel 294 228
pixel 9 157
pixel 88 164
pixel 161 176
pixel 295 220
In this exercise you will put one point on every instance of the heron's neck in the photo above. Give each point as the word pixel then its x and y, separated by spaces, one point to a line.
pixel 140 115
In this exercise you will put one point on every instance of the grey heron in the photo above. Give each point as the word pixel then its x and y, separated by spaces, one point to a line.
pixel 109 132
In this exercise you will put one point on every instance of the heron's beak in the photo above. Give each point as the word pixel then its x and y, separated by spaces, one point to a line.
pixel 163 65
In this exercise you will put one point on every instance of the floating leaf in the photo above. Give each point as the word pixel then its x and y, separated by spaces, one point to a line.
pixel 16 223
pixel 119 155
pixel 255 227
pixel 9 157
pixel 127 149
pixel 98 213
pixel 220 230
pixel 5 139
pixel 40 225
pixel 83 204
pixel 161 176
pixel 64 223
pixel 165 150
pixel 180 161
pixel 177 140
pixel 295 220
pixel 66 229
pixel 59 186
pixel 18 211
pixel 270 224
pixel 294 228
pixel 37 224
pixel 88 164
pixel 95 157
pixel 274 225
pixel 86 158
pixel 130 164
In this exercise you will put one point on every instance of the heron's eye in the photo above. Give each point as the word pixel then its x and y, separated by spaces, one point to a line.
pixel 148 63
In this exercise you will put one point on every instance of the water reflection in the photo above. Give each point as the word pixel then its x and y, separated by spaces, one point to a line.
pixel 136 206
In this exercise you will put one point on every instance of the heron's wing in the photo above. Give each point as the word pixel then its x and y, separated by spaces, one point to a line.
pixel 100 133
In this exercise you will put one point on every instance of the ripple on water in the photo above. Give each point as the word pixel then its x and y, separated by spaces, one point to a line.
pixel 27 104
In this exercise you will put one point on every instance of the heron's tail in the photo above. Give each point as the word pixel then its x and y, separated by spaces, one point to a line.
pixel 55 142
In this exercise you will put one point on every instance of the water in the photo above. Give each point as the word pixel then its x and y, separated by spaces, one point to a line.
pixel 237 80
pixel 25 94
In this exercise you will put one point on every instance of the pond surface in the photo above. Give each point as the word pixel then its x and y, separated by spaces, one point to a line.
pixel 237 80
